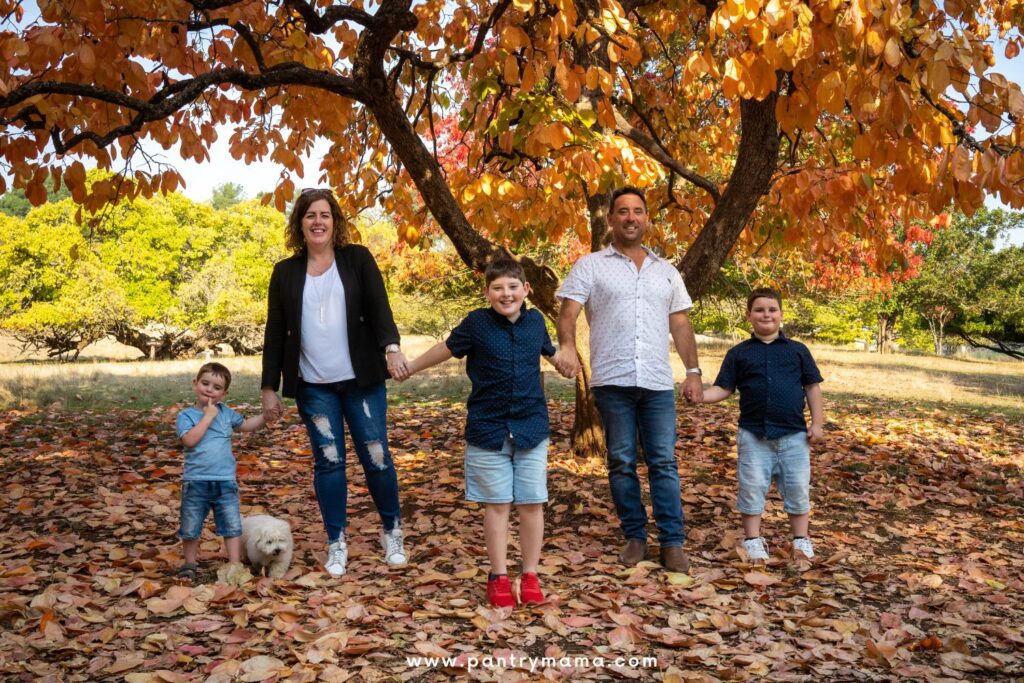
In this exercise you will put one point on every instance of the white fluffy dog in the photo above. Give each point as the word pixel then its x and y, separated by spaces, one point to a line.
pixel 268 544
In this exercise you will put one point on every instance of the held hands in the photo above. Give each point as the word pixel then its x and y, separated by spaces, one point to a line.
pixel 398 366
pixel 271 405
pixel 566 362
pixel 693 389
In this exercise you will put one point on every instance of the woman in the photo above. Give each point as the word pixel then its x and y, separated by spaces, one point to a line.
pixel 330 335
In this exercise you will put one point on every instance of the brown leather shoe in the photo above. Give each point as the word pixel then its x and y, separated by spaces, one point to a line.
pixel 634 552
pixel 675 559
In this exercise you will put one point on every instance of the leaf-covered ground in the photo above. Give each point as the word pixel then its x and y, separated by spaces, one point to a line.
pixel 917 520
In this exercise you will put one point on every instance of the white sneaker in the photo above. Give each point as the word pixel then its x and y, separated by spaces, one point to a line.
pixel 803 545
pixel 756 549
pixel 337 557
pixel 394 551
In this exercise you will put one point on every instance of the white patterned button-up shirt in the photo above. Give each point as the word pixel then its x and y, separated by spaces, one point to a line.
pixel 628 314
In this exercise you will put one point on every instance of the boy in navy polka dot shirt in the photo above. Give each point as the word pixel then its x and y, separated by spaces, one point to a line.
pixel 774 375
pixel 507 422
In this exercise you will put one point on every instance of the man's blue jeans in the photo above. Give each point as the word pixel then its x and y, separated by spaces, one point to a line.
pixel 627 412
pixel 322 407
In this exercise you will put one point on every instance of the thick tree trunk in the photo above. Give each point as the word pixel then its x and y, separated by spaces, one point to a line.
pixel 750 180
pixel 587 430
pixel 474 249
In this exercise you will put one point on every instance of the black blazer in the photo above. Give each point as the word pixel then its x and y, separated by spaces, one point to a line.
pixel 371 325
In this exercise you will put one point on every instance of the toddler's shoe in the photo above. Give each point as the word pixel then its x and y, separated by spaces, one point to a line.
pixel 756 549
pixel 803 548
pixel 499 592
pixel 529 590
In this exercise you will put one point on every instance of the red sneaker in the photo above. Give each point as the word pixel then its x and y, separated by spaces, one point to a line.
pixel 499 592
pixel 529 590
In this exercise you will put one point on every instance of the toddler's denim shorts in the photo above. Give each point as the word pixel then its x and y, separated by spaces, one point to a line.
pixel 197 497
pixel 511 475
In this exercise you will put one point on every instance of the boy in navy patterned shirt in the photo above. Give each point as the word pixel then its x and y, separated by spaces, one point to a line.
pixel 507 422
pixel 774 375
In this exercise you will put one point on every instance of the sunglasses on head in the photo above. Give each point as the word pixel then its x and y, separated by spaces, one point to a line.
pixel 307 190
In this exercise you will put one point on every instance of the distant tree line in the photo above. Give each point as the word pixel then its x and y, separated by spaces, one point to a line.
pixel 168 276
pixel 173 277
pixel 961 284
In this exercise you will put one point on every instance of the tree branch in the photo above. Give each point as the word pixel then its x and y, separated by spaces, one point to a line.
pixel 996 345
pixel 321 23
pixel 170 99
pixel 657 152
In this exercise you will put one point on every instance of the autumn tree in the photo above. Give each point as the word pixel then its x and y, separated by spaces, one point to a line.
pixel 811 120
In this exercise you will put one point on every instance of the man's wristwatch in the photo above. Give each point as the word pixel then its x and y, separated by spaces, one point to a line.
pixel 694 371
pixel 392 348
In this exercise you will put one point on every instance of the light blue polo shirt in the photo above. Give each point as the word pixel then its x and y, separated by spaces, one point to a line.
pixel 211 459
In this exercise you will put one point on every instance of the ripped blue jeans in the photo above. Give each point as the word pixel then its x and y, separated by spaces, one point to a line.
pixel 325 410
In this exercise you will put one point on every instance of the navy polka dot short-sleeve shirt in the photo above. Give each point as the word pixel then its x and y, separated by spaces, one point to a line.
pixel 503 364
pixel 771 379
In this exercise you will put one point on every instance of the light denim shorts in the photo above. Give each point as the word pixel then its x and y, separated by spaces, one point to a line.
pixel 786 459
pixel 511 475
pixel 198 498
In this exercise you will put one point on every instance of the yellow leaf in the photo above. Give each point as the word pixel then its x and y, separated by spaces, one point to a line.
pixel 733 75
pixel 523 5
pixel 297 39
pixel 893 55
pixel 613 53
pixel 529 77
pixel 762 78
pixel 938 76
pixel 875 42
pixel 679 579
pixel 829 95
pixel 758 32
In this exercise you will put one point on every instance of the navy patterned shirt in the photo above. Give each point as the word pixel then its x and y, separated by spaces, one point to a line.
pixel 503 364
pixel 771 379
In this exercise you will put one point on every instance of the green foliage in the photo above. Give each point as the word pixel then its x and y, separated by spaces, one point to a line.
pixel 833 318
pixel 431 290
pixel 227 195
pixel 228 296
pixel 15 203
pixel 165 273
pixel 967 287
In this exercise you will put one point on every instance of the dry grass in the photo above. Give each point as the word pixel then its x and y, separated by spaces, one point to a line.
pixel 850 376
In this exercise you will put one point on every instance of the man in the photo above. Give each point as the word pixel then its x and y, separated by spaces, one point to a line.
pixel 634 300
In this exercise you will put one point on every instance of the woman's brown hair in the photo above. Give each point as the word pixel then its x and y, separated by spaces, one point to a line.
pixel 294 239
